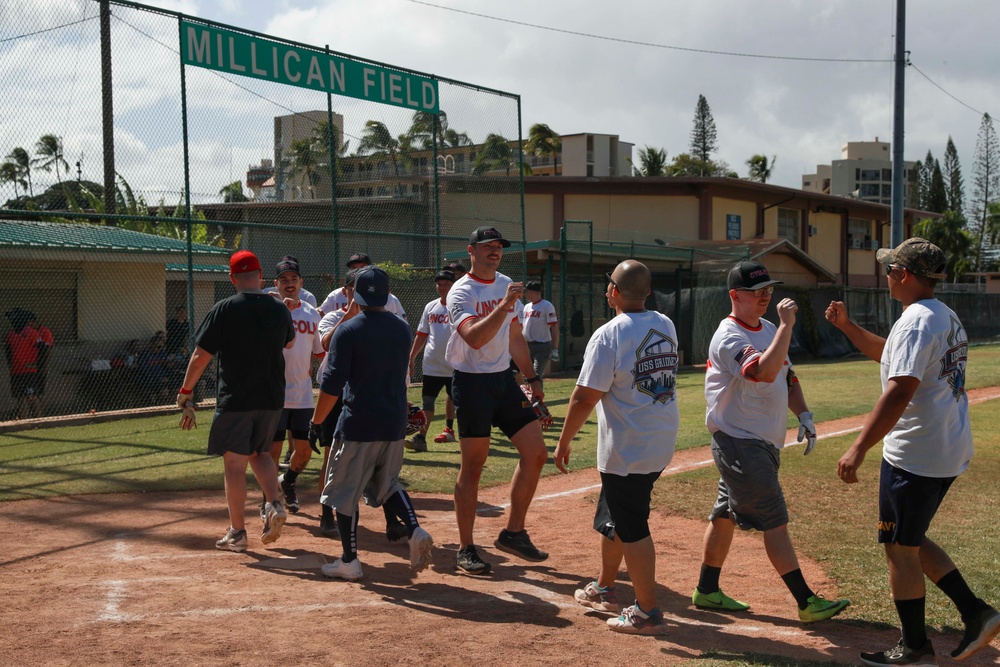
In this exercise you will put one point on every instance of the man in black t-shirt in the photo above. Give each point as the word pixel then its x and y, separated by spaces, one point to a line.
pixel 248 331
pixel 366 367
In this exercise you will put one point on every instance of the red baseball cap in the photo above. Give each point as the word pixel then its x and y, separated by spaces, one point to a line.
pixel 243 261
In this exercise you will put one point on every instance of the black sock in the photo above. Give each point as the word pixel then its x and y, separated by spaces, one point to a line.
pixel 450 423
pixel 327 511
pixel 348 525
pixel 799 588
pixel 708 582
pixel 390 514
pixel 911 616
pixel 403 508
pixel 290 476
pixel 953 585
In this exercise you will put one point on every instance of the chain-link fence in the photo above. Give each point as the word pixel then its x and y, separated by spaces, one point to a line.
pixel 222 139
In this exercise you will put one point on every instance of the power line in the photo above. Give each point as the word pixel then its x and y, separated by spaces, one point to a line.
pixel 938 86
pixel 621 40
pixel 44 30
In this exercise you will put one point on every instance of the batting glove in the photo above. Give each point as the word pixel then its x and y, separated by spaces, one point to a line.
pixel 188 418
pixel 807 430
pixel 555 355
pixel 314 437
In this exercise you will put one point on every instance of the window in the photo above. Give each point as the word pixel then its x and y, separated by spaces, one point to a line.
pixel 789 224
pixel 886 191
pixel 869 190
pixel 858 228
pixel 871 174
pixel 887 174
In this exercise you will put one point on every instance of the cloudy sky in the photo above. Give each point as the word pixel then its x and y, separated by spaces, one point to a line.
pixel 802 111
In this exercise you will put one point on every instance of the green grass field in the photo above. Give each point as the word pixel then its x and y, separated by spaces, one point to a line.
pixel 832 523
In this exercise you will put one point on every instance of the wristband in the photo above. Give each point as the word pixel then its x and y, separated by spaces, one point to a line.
pixel 530 380
pixel 184 391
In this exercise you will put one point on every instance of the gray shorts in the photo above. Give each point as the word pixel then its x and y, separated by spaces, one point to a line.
pixel 749 490
pixel 243 432
pixel 356 469
pixel 540 355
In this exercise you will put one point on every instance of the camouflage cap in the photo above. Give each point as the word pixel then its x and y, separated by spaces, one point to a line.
pixel 918 256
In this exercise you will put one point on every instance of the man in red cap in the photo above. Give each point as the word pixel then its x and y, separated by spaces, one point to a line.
pixel 249 332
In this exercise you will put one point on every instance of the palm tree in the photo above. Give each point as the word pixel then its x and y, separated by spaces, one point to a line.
pixel 305 162
pixel 9 173
pixel 379 144
pixel 495 154
pixel 652 162
pixel 760 168
pixel 453 139
pixel 544 142
pixel 49 150
pixel 22 161
pixel 233 193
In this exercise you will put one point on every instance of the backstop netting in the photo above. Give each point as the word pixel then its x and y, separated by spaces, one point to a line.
pixel 222 139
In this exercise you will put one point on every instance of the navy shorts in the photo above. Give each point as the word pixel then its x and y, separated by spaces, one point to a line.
pixel 432 387
pixel 485 400
pixel 906 504
pixel 243 432
pixel 623 506
pixel 295 420
pixel 329 425
pixel 749 491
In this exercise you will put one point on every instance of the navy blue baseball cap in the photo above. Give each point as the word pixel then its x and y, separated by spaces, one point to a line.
pixel 371 287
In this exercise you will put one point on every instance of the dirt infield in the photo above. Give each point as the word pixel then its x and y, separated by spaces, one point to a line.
pixel 134 579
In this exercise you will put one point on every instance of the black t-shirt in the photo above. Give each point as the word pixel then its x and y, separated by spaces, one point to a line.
pixel 369 357
pixel 247 333
pixel 177 336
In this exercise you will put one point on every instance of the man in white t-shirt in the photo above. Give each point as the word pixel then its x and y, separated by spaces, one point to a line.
pixel 338 299
pixel 630 374
pixel 432 335
pixel 541 329
pixel 304 294
pixel 749 387
pixel 923 415
pixel 298 406
pixel 485 312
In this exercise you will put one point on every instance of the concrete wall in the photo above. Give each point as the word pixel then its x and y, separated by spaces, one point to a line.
pixel 721 207
pixel 825 246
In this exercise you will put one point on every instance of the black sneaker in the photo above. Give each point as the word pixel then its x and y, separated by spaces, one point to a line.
pixel 287 461
pixel 979 632
pixel 396 530
pixel 288 489
pixel 900 654
pixel 520 545
pixel 328 525
pixel 470 562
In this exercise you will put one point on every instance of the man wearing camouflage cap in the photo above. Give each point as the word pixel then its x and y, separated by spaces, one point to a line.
pixel 923 416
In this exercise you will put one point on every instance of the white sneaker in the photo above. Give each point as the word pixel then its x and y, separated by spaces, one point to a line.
pixel 421 544
pixel 274 520
pixel 233 540
pixel 338 569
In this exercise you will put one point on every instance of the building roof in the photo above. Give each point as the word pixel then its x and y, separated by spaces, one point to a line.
pixel 757 249
pixel 68 236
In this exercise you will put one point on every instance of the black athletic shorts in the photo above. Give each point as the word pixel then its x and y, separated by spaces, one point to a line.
pixel 26 384
pixel 623 506
pixel 432 387
pixel 485 400
pixel 242 432
pixel 295 420
pixel 906 504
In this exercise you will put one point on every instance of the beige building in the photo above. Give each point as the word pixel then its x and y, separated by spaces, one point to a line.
pixel 586 154
pixel 864 171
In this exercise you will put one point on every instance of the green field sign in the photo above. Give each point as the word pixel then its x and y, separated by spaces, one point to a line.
pixel 259 58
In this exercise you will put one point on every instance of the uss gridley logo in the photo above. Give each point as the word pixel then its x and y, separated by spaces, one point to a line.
pixel 954 360
pixel 655 372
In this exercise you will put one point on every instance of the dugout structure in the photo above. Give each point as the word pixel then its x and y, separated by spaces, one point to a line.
pixel 222 139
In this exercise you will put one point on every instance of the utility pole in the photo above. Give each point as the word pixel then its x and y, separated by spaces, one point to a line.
pixel 108 114
pixel 899 93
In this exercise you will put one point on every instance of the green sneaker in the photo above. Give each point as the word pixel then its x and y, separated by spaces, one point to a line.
pixel 718 601
pixel 820 609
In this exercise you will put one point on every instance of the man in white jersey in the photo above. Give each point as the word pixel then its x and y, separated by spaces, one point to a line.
pixel 485 312
pixel 541 329
pixel 304 294
pixel 433 332
pixel 337 299
pixel 298 406
pixel 923 415
pixel 749 387
pixel 630 374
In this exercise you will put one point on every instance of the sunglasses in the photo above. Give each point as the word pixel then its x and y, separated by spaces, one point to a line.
pixel 758 292
pixel 611 280
pixel 889 268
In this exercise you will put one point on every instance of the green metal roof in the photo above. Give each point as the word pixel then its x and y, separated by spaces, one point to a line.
pixel 199 268
pixel 62 236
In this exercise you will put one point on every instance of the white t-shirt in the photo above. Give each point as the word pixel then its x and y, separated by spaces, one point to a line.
pixel 933 438
pixel 738 406
pixel 538 317
pixel 435 326
pixel 336 299
pixel 326 325
pixel 298 359
pixel 633 358
pixel 304 295
pixel 469 299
